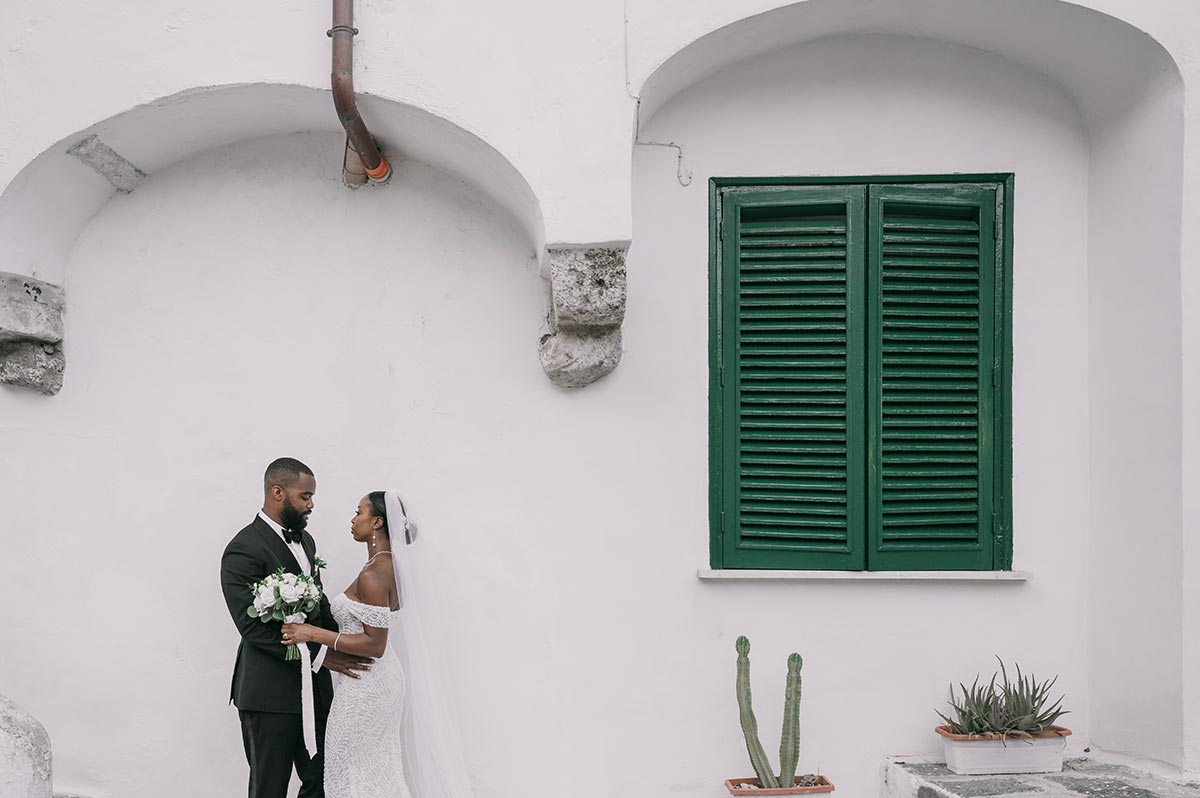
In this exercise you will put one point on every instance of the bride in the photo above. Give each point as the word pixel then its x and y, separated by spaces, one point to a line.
pixel 385 738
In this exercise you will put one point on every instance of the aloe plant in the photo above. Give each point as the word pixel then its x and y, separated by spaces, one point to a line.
pixel 1015 709
pixel 789 739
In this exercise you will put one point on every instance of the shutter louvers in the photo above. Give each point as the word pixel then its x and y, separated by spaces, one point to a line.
pixel 794 462
pixel 930 390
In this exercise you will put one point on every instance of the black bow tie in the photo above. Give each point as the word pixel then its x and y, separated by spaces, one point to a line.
pixel 293 536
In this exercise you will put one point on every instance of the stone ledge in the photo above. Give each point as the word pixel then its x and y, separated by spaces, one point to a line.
pixel 30 310
pixel 915 777
pixel 587 307
pixel 31 334
pixel 35 366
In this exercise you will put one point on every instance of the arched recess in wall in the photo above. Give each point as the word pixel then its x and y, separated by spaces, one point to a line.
pixel 50 200
pixel 44 208
pixel 53 197
pixel 1129 94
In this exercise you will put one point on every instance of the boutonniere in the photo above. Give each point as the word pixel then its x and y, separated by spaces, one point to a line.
pixel 319 563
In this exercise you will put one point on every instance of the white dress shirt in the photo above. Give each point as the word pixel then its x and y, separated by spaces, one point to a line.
pixel 306 566
pixel 297 548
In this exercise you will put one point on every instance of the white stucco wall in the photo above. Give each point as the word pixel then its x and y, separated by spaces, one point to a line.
pixel 508 74
pixel 1190 439
pixel 567 527
pixel 219 323
pixel 1135 348
pixel 862 106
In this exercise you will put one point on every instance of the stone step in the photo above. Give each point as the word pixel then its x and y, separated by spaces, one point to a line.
pixel 914 777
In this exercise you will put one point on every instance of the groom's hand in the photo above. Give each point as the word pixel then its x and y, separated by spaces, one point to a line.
pixel 346 664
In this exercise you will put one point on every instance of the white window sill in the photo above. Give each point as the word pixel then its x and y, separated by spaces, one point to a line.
pixel 750 575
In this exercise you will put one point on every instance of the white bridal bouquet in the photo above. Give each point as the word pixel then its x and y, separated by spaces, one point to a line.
pixel 284 597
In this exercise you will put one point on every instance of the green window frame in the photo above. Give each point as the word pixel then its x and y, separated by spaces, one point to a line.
pixel 860 374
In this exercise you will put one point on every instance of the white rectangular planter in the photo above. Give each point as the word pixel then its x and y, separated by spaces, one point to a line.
pixel 1042 754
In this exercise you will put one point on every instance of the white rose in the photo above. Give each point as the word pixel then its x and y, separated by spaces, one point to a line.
pixel 265 596
pixel 312 590
pixel 260 608
pixel 291 592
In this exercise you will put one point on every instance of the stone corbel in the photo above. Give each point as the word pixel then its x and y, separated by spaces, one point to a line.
pixel 587 307
pixel 31 334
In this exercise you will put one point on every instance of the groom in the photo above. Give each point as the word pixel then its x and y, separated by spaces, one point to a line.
pixel 266 687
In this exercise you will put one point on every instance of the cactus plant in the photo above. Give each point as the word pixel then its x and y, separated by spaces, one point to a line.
pixel 789 741
pixel 758 757
pixel 789 738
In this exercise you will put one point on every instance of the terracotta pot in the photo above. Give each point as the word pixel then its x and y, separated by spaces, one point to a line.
pixel 980 754
pixel 750 787
pixel 1053 731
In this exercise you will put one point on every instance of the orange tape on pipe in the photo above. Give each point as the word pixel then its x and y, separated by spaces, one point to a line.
pixel 379 171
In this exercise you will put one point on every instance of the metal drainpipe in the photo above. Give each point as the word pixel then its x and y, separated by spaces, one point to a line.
pixel 360 145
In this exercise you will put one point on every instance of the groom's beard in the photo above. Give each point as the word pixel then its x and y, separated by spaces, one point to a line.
pixel 292 518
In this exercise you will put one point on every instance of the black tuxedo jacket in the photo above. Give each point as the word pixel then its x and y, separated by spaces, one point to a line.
pixel 263 680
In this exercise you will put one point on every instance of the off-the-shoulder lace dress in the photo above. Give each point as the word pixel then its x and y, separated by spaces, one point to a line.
pixel 363 751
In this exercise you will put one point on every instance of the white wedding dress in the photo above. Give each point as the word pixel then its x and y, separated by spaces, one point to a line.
pixel 364 753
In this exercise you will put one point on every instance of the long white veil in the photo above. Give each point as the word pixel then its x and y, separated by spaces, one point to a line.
pixel 434 766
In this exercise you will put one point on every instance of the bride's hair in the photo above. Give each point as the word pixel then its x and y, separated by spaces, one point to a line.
pixel 379 507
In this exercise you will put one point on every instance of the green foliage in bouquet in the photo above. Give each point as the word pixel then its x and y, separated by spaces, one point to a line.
pixel 1015 709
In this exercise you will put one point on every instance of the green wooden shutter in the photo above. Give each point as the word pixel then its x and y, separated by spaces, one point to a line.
pixel 934 365
pixel 790 449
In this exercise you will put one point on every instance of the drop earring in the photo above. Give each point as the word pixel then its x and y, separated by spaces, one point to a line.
pixel 372 541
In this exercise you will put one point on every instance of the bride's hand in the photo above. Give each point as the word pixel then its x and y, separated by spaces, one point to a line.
pixel 297 633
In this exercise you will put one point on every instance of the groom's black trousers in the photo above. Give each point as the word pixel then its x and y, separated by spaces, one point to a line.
pixel 274 743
